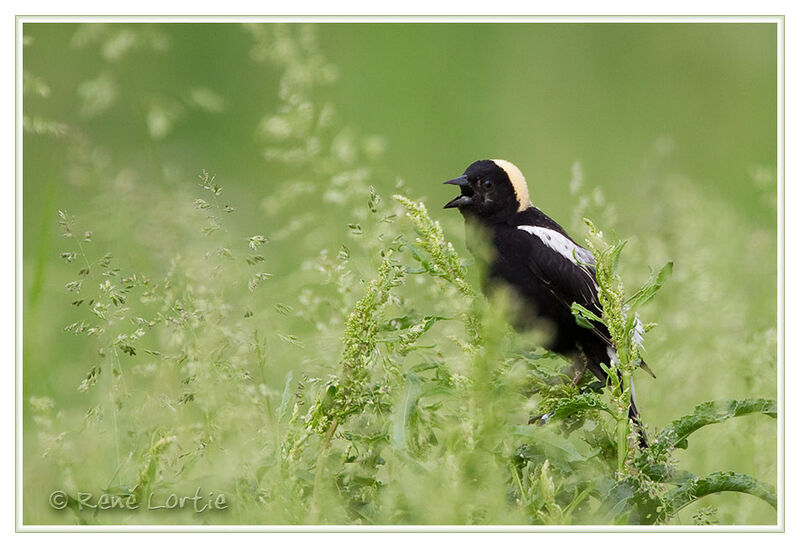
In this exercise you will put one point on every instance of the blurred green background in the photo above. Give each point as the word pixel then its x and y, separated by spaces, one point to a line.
pixel 675 123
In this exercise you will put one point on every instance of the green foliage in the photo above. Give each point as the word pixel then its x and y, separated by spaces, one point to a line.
pixel 651 287
pixel 393 408
pixel 443 260
pixel 319 352
pixel 717 482
pixel 676 433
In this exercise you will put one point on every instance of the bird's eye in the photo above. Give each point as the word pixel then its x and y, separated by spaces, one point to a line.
pixel 487 185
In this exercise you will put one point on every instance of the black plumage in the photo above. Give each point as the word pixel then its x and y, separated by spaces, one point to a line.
pixel 535 257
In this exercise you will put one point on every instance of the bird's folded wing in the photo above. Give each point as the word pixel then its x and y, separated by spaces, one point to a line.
pixel 561 265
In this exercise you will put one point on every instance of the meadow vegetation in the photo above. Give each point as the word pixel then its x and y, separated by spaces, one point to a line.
pixel 323 354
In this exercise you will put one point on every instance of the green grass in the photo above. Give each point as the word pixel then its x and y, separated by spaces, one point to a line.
pixel 284 329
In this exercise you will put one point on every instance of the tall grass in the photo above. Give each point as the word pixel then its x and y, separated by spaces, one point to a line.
pixel 348 371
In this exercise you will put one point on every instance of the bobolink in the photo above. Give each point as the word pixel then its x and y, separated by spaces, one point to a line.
pixel 536 258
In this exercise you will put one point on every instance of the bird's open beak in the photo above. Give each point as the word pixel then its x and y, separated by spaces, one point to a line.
pixel 466 192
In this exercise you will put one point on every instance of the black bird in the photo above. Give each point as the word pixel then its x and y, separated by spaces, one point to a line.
pixel 530 253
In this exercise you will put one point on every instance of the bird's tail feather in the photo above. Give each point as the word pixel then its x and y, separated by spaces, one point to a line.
pixel 633 413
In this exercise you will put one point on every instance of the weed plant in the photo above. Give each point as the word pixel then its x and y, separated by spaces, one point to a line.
pixel 369 382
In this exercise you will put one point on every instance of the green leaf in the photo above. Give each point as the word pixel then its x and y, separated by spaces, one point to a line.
pixel 578 404
pixel 407 321
pixel 664 473
pixel 710 412
pixel 613 256
pixel 629 501
pixel 577 499
pixel 651 287
pixel 718 482
pixel 418 256
pixel 584 317
pixel 551 446
pixel 405 413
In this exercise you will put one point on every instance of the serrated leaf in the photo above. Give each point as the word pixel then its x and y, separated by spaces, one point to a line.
pixel 711 412
pixel 578 404
pixel 719 482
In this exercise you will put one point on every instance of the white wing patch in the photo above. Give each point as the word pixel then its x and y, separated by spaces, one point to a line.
pixel 561 245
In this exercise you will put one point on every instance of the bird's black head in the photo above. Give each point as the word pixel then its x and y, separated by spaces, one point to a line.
pixel 491 190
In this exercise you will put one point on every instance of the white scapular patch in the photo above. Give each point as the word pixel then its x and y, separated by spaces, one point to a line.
pixel 612 354
pixel 517 181
pixel 561 245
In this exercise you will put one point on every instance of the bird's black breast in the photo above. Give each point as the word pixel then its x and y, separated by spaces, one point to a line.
pixel 544 280
pixel 515 252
